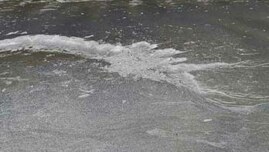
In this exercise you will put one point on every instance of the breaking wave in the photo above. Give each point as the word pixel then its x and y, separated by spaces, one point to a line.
pixel 139 60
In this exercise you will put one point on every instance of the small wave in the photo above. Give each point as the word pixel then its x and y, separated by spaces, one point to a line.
pixel 245 96
pixel 140 60
pixel 56 43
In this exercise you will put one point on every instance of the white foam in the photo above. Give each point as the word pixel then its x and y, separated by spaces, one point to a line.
pixel 12 33
pixel 140 59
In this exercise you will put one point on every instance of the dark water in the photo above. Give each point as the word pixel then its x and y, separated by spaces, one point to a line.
pixel 87 76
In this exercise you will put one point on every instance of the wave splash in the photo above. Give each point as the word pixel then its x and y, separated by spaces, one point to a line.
pixel 140 60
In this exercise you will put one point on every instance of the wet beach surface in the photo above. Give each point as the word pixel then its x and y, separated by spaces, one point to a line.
pixel 132 76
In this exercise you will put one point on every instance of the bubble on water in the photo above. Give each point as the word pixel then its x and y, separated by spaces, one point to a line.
pixel 157 132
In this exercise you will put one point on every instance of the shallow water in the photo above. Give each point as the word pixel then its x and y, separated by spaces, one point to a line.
pixel 134 76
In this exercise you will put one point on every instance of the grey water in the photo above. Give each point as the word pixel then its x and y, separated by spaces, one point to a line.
pixel 133 76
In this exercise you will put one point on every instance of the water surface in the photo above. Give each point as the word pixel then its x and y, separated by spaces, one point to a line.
pixel 134 76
